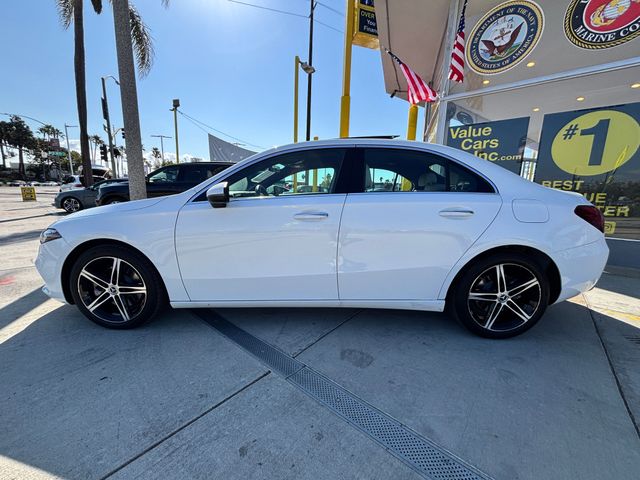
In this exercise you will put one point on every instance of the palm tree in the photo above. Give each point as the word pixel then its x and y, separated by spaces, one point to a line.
pixel 96 141
pixel 131 33
pixel 5 129
pixel 156 154
pixel 70 11
pixel 21 137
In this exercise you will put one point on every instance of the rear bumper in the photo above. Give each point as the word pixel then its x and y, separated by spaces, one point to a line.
pixel 581 267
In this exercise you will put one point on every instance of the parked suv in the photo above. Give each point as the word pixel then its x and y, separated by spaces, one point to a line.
pixel 164 181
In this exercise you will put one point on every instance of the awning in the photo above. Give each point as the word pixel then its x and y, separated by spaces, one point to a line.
pixel 414 31
pixel 222 151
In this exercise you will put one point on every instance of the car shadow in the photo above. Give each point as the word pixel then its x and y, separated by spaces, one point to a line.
pixel 19 307
pixel 78 400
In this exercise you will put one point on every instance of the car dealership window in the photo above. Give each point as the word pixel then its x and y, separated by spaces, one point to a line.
pixel 298 173
pixel 395 170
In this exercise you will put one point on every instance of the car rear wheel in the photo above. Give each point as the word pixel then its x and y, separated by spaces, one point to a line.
pixel 116 287
pixel 114 200
pixel 71 204
pixel 501 296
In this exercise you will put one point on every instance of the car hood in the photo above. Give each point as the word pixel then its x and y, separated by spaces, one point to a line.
pixel 114 208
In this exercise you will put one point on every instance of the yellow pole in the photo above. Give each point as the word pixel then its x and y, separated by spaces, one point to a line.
pixel 412 126
pixel 345 100
pixel 295 107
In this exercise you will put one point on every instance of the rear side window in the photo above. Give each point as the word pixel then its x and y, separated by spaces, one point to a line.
pixel 397 170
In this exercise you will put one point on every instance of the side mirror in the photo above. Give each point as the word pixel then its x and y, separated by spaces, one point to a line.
pixel 218 195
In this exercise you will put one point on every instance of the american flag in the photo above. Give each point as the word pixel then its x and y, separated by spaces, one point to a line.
pixel 418 90
pixel 456 68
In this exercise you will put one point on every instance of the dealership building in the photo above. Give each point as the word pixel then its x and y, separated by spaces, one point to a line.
pixel 551 91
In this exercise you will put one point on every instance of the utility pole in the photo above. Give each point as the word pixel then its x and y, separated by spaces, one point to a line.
pixel 310 62
pixel 66 134
pixel 105 114
pixel 176 104
pixel 161 137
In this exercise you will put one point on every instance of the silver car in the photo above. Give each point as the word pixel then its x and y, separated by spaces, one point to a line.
pixel 80 198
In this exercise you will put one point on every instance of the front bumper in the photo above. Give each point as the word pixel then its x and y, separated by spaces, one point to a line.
pixel 49 262
pixel 581 267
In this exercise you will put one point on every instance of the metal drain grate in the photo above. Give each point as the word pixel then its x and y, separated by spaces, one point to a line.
pixel 421 454
pixel 633 339
pixel 273 358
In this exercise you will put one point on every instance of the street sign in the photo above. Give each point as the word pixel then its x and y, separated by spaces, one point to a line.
pixel 28 194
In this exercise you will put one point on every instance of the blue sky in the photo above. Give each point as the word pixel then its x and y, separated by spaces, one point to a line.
pixel 230 65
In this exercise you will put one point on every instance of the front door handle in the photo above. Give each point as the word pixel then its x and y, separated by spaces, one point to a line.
pixel 311 216
pixel 456 212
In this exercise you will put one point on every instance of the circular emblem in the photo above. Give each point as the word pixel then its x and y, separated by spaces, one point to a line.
pixel 596 24
pixel 504 37
pixel 596 143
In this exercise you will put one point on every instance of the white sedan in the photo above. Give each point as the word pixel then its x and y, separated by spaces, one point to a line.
pixel 340 223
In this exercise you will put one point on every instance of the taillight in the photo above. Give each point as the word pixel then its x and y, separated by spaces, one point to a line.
pixel 592 215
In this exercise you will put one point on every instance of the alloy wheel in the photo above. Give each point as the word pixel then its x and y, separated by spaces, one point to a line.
pixel 71 205
pixel 112 289
pixel 504 297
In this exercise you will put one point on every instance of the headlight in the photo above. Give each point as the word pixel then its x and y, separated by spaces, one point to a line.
pixel 49 234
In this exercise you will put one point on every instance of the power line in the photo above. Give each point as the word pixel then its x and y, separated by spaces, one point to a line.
pixel 196 122
pixel 285 12
pixel 330 8
pixel 270 9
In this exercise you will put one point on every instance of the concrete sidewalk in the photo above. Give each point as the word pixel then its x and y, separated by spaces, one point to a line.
pixel 176 399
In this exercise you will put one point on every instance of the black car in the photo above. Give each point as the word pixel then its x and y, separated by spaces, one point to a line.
pixel 164 181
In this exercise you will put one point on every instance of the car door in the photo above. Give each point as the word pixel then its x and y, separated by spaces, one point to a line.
pixel 415 216
pixel 275 240
pixel 163 181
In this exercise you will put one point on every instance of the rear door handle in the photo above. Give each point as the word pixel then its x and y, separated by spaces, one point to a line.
pixel 456 212
pixel 311 216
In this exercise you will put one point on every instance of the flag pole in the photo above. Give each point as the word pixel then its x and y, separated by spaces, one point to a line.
pixel 345 100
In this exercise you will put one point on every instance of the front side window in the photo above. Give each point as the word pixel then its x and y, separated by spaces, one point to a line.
pixel 164 175
pixel 307 172
pixel 396 170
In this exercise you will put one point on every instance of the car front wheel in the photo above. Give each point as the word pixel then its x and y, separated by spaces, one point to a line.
pixel 501 296
pixel 71 204
pixel 116 287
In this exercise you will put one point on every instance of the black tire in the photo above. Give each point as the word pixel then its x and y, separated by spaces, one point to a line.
pixel 500 312
pixel 113 200
pixel 71 205
pixel 129 299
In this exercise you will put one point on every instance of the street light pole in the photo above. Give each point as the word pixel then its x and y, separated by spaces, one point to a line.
pixel 309 70
pixel 176 104
pixel 66 134
pixel 161 137
pixel 310 61
pixel 105 114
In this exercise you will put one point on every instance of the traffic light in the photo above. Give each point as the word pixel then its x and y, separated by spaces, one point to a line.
pixel 123 133
pixel 103 153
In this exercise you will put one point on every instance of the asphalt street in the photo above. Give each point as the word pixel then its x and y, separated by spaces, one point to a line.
pixel 178 399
